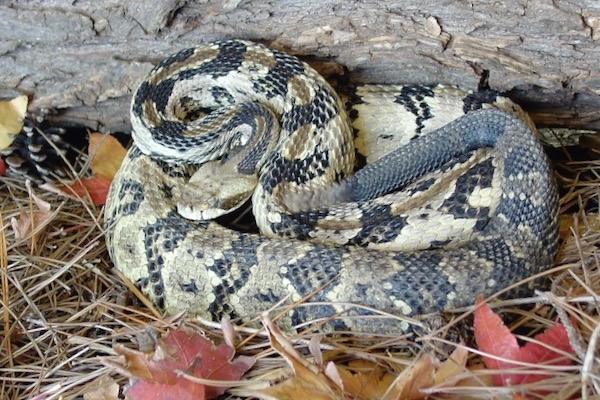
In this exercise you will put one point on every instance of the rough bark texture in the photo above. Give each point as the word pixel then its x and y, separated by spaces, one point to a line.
pixel 84 58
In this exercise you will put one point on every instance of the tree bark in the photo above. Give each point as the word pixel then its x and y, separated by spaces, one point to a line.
pixel 85 58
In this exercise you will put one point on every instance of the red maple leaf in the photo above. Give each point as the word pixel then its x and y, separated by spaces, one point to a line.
pixel 96 186
pixel 494 338
pixel 158 376
pixel 177 388
pixel 2 167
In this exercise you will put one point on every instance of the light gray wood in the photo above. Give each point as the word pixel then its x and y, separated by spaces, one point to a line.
pixel 84 58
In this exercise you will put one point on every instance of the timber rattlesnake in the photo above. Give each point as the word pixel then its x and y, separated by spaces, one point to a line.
pixel 466 209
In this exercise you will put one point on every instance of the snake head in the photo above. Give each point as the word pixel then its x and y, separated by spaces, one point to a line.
pixel 214 190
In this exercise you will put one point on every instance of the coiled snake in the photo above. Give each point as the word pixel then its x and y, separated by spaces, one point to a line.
pixel 429 223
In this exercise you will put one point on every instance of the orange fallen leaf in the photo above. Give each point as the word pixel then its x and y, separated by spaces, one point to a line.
pixel 97 187
pixel 494 338
pixel 106 154
pixel 182 350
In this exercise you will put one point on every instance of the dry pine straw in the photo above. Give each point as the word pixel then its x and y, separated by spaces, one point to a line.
pixel 63 305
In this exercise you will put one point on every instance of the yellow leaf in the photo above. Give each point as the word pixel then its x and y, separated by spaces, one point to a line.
pixel 11 119
pixel 106 153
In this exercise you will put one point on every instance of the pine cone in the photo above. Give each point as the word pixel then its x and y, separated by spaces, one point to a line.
pixel 37 153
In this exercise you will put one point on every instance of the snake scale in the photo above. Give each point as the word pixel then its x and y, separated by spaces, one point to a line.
pixel 361 224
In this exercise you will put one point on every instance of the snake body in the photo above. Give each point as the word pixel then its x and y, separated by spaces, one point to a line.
pixel 433 220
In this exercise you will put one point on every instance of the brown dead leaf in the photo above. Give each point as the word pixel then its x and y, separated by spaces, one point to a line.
pixel 296 389
pixel 452 367
pixel 30 222
pixel 11 119
pixel 476 379
pixel 373 382
pixel 365 380
pixel 359 379
pixel 106 153
pixel 420 375
pixel 229 334
pixel 103 389
pixel 309 381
